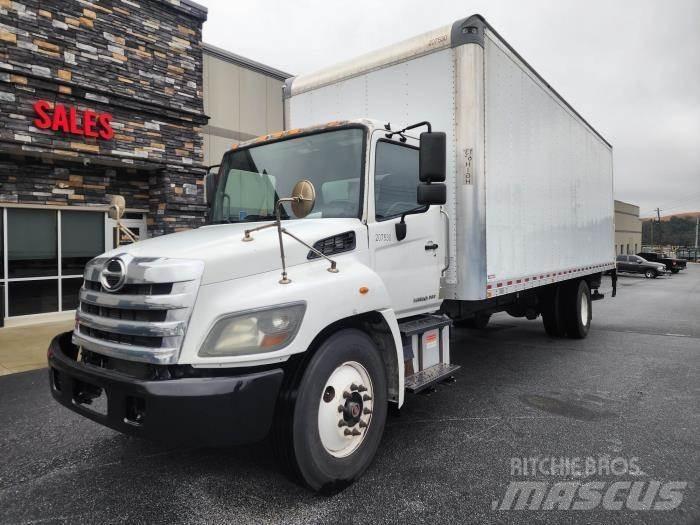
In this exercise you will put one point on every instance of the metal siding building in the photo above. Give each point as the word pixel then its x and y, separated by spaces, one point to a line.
pixel 243 99
pixel 628 228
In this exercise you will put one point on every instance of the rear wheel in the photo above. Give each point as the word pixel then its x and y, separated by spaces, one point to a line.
pixel 552 313
pixel 577 310
pixel 329 424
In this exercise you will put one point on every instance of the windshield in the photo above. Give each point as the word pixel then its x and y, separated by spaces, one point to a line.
pixel 252 180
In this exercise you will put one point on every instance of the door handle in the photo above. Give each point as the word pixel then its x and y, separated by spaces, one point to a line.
pixel 431 246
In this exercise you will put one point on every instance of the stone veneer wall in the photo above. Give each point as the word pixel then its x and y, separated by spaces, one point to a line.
pixel 140 61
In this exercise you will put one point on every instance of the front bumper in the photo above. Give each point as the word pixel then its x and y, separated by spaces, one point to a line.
pixel 211 411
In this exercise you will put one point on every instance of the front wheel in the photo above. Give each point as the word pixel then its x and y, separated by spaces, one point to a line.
pixel 335 415
pixel 650 274
pixel 675 270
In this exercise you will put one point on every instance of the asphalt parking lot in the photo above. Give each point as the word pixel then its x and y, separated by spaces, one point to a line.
pixel 630 390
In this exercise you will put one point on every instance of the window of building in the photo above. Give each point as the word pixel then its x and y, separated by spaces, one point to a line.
pixel 635 248
pixel 45 252
pixel 395 179
pixel 32 250
pixel 628 249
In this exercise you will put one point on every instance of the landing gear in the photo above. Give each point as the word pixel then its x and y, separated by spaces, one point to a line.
pixel 330 417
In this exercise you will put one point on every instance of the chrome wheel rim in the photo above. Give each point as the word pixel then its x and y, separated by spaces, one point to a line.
pixel 584 310
pixel 345 409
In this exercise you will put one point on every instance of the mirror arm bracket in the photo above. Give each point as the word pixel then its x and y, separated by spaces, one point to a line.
pixel 400 227
pixel 412 126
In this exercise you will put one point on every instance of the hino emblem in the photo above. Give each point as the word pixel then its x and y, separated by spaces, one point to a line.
pixel 113 275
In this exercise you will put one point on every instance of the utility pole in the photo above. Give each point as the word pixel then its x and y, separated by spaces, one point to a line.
pixel 658 219
pixel 697 222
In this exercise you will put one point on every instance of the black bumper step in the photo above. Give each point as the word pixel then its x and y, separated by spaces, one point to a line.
pixel 428 377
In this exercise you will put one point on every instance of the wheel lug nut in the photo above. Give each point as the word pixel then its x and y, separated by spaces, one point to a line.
pixel 348 432
pixel 363 424
pixel 356 432
pixel 366 410
pixel 366 397
pixel 353 386
pixel 341 408
pixel 346 394
pixel 342 423
pixel 362 388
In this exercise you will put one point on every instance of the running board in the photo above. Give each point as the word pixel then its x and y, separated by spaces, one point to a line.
pixel 428 377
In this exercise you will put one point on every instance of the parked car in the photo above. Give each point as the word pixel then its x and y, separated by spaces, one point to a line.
pixel 672 264
pixel 637 264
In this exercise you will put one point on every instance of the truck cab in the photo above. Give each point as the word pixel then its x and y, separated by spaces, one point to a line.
pixel 217 335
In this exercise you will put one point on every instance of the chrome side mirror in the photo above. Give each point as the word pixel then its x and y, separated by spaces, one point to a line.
pixel 303 198
pixel 302 201
pixel 117 205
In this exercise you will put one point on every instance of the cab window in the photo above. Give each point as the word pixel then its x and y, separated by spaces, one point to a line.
pixel 395 179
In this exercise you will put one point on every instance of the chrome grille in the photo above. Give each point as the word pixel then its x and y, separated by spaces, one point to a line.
pixel 146 318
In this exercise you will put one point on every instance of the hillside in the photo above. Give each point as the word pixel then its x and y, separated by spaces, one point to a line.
pixel 676 230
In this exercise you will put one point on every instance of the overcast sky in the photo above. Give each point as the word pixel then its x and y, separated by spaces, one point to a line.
pixel 631 68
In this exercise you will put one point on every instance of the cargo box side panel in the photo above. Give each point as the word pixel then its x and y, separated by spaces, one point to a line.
pixel 403 93
pixel 549 201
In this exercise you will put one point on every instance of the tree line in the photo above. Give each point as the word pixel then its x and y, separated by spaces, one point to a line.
pixel 677 231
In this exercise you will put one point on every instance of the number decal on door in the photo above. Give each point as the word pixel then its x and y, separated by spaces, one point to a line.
pixel 382 237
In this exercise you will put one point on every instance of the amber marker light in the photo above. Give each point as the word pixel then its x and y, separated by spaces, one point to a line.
pixel 364 290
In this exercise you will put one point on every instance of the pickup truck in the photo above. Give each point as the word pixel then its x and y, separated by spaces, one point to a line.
pixel 672 264
pixel 637 264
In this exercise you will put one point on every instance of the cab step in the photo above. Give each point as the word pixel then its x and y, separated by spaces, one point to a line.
pixel 429 377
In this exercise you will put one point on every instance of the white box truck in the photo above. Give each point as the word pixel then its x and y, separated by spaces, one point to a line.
pixel 339 252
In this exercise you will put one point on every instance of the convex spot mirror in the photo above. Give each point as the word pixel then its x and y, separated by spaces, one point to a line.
pixel 211 179
pixel 429 194
pixel 432 156
pixel 303 198
pixel 117 204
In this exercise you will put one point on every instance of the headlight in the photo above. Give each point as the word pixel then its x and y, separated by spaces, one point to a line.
pixel 254 332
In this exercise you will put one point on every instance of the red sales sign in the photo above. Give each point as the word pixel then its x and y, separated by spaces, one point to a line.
pixel 66 119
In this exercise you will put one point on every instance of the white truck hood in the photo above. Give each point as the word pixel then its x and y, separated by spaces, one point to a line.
pixel 226 256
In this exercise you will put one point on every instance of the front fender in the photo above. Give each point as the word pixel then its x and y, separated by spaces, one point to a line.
pixel 329 297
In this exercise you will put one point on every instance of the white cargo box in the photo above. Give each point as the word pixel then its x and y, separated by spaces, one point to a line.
pixel 530 182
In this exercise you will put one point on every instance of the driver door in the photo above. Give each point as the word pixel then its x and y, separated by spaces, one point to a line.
pixel 411 267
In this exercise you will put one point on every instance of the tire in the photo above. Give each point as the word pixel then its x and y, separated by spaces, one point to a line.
pixel 675 270
pixel 650 274
pixel 311 402
pixel 478 322
pixel 577 309
pixel 551 313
